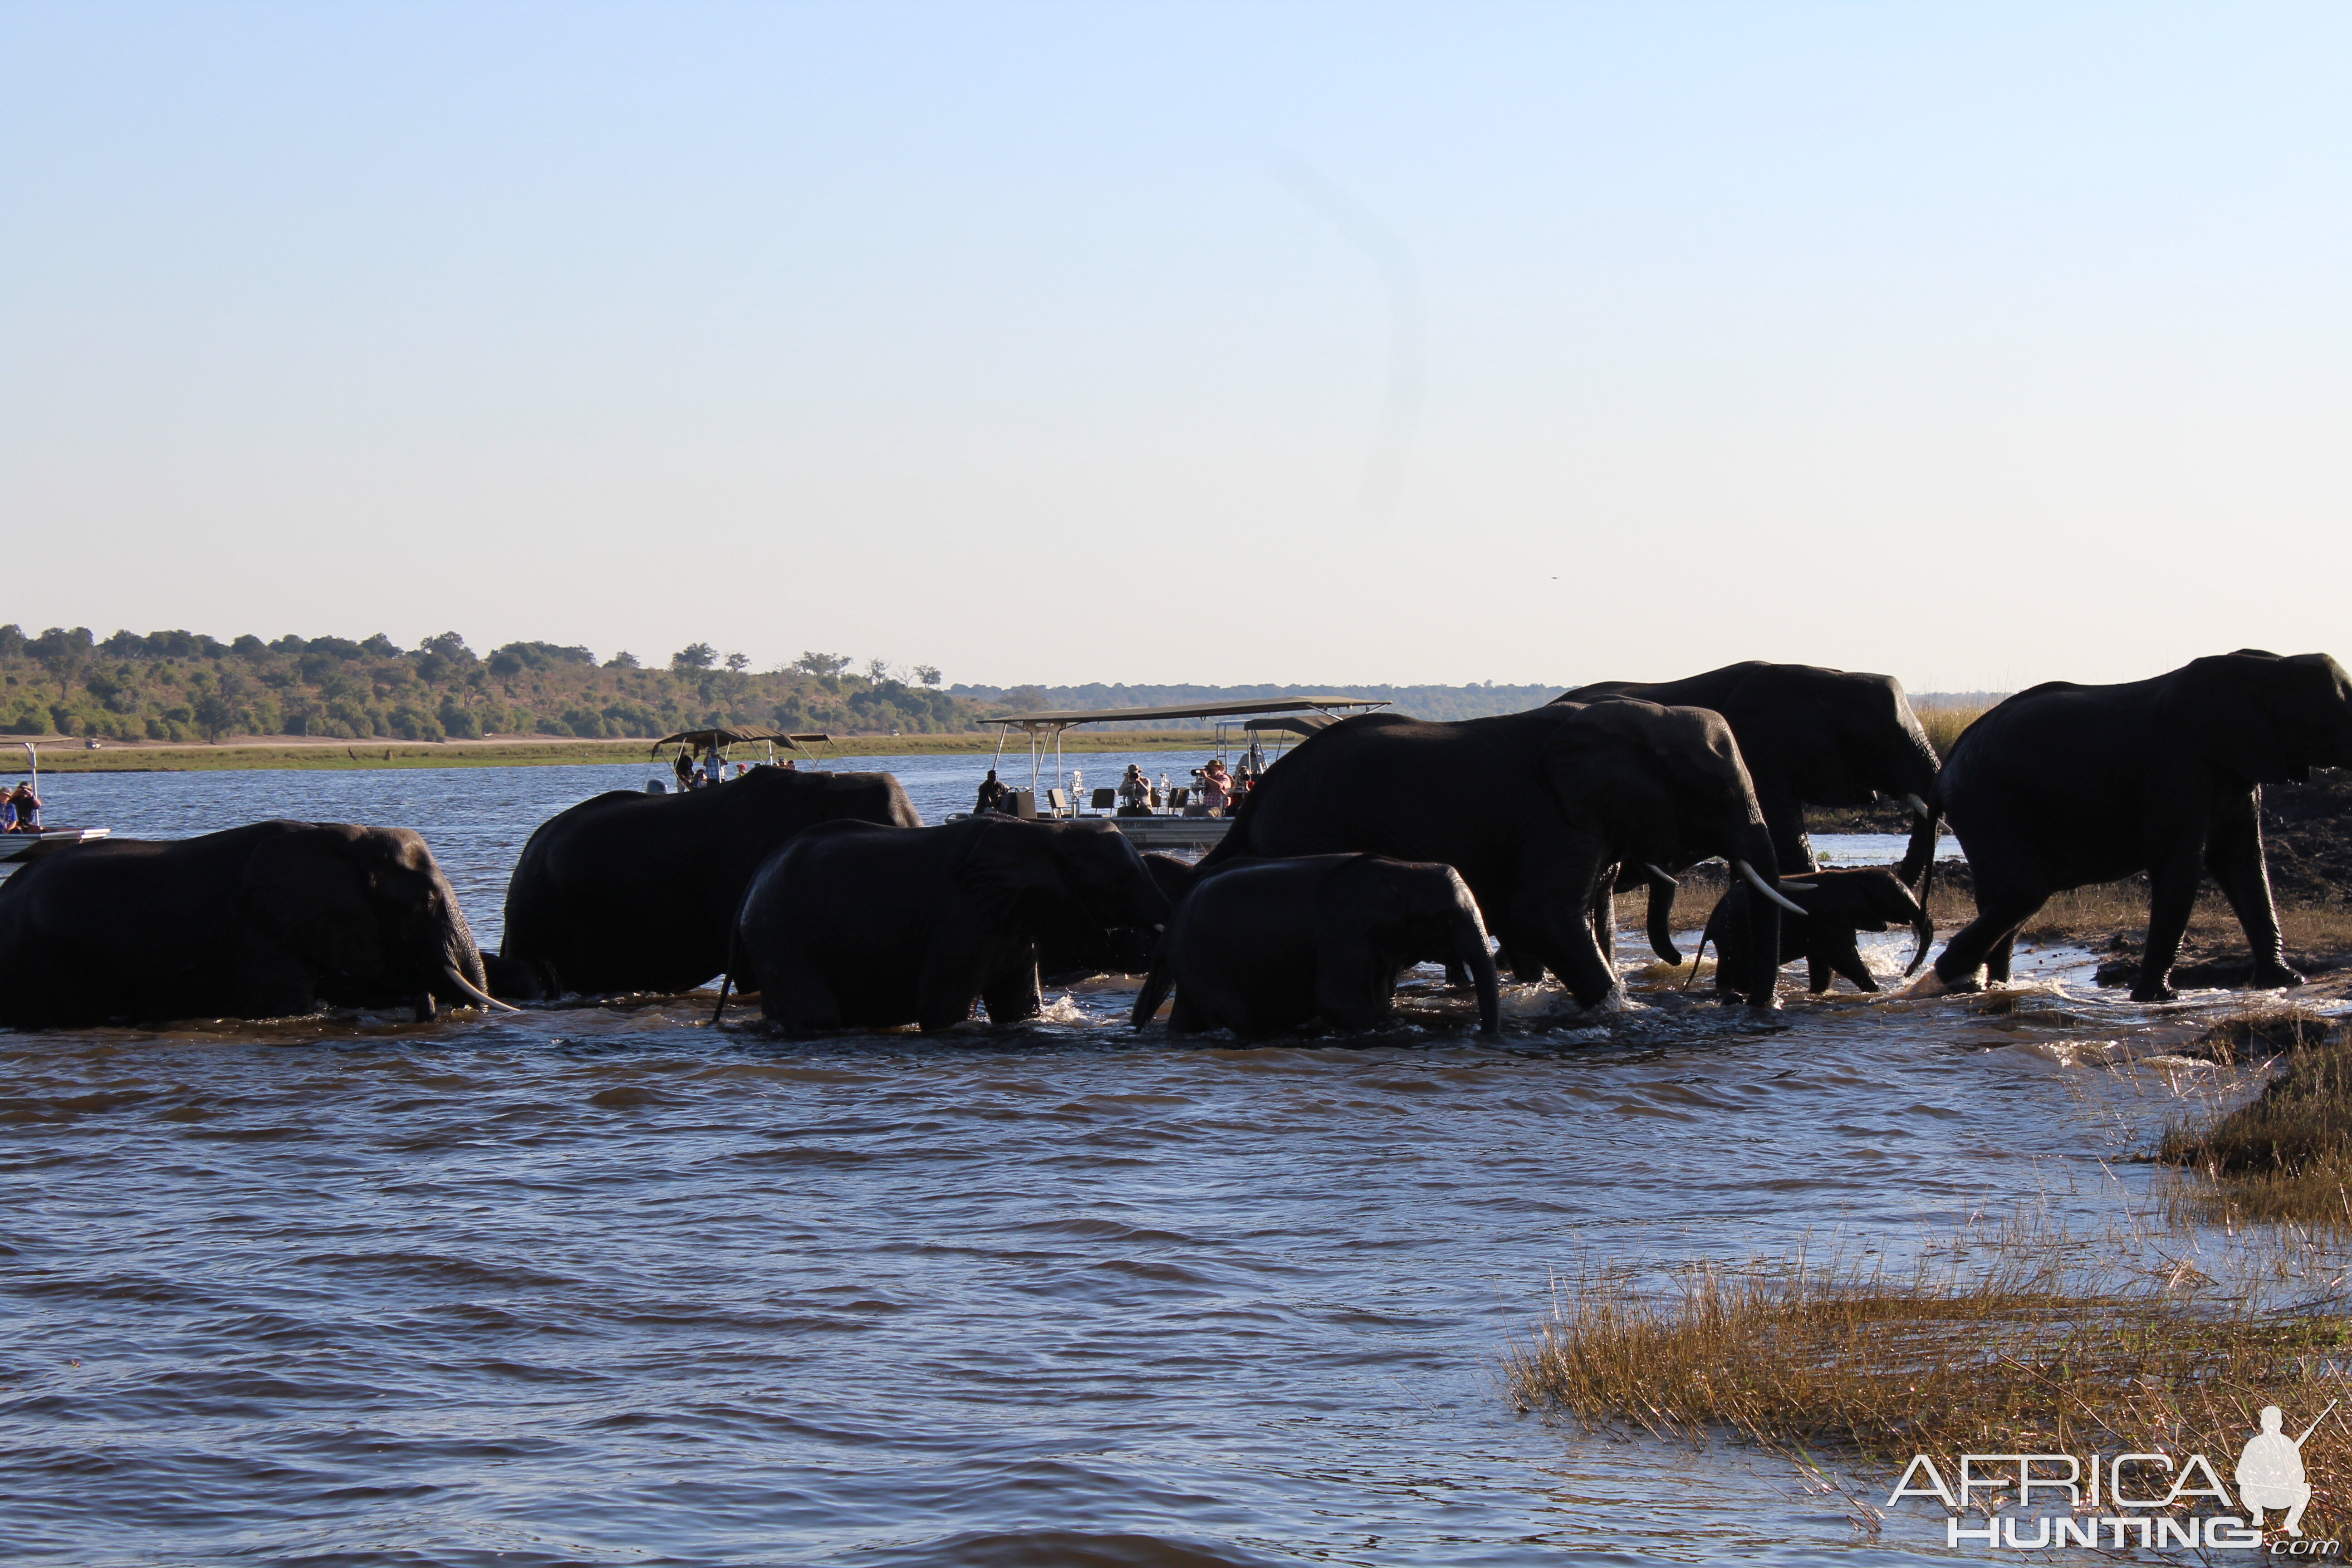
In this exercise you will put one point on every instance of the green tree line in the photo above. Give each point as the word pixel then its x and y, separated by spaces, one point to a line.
pixel 182 686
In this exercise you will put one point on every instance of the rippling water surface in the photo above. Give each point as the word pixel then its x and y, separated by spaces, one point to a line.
pixel 601 1286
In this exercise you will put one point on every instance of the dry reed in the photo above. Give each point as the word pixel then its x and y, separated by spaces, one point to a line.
pixel 2023 1341
pixel 2286 1156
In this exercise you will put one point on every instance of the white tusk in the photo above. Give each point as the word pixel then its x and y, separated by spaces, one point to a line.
pixel 1800 886
pixel 482 997
pixel 1661 876
pixel 1916 804
pixel 1767 889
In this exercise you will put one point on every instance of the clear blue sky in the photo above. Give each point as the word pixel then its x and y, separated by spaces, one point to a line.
pixel 1982 344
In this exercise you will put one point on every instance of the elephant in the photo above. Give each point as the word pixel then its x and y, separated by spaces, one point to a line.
pixel 852 925
pixel 265 921
pixel 1837 904
pixel 1810 736
pixel 2063 785
pixel 638 892
pixel 1068 951
pixel 1262 946
pixel 1535 810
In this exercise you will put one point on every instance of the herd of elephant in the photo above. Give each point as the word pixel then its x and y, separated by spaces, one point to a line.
pixel 1379 842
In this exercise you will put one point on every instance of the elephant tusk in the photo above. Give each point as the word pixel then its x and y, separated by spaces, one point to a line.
pixel 1918 805
pixel 1765 887
pixel 1800 886
pixel 481 997
pixel 1661 876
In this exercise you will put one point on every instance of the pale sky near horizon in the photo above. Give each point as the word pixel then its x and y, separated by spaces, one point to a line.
pixel 1980 345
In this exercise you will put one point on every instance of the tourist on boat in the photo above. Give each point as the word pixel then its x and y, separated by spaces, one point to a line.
pixel 713 770
pixel 685 772
pixel 1216 785
pixel 23 814
pixel 993 795
pixel 1134 793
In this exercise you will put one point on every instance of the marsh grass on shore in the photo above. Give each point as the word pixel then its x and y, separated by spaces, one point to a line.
pixel 1945 724
pixel 2017 1339
pixel 2285 1156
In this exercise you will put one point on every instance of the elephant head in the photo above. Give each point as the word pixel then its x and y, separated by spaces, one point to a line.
pixel 1438 915
pixel 2265 717
pixel 369 912
pixel 1063 876
pixel 1666 786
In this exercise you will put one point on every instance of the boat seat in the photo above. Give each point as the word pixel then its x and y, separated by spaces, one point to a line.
pixel 1024 803
pixel 1057 802
pixel 1105 799
pixel 1177 796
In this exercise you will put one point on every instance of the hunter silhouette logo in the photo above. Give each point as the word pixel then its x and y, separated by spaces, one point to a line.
pixel 2270 1472
pixel 2129 1499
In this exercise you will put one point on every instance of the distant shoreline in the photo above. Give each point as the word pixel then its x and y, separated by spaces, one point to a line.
pixel 63 756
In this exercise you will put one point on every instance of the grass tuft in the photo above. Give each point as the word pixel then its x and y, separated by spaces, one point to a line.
pixel 2286 1156
pixel 2016 1343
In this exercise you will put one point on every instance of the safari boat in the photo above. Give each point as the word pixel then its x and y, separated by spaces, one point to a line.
pixel 36 842
pixel 1173 819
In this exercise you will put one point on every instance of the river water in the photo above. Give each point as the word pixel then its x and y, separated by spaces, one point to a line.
pixel 592 1285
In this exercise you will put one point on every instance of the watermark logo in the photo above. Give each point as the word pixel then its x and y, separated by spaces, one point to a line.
pixel 2129 1500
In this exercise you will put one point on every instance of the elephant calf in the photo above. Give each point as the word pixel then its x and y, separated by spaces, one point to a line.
pixel 853 925
pixel 1263 946
pixel 1836 904
pixel 259 921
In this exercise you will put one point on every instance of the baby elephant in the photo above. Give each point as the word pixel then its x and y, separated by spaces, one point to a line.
pixel 1837 904
pixel 1262 945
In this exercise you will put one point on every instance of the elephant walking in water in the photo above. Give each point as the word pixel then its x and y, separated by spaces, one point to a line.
pixel 2063 785
pixel 261 921
pixel 1837 904
pixel 1810 736
pixel 638 892
pixel 1260 946
pixel 855 926
pixel 1535 811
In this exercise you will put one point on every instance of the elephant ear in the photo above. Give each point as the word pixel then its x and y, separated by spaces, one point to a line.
pixel 307 891
pixel 2228 706
pixel 1592 759
pixel 1008 864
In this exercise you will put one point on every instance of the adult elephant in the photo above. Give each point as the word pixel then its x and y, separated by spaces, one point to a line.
pixel 638 892
pixel 1535 810
pixel 1261 946
pixel 2063 785
pixel 852 925
pixel 260 921
pixel 1810 736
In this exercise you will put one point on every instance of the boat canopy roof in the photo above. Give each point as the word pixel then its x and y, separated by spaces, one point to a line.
pixel 1320 706
pixel 702 739
pixel 1294 724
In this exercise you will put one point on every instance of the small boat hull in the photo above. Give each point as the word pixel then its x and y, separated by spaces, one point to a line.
pixel 33 846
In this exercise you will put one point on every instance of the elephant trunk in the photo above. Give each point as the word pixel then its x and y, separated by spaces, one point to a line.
pixel 1662 916
pixel 1473 950
pixel 462 978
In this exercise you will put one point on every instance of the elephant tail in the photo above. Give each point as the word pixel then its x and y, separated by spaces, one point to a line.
pixel 734 954
pixel 1696 957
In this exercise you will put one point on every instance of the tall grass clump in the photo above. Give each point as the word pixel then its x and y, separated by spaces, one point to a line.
pixel 1944 724
pixel 2286 1155
pixel 2023 1343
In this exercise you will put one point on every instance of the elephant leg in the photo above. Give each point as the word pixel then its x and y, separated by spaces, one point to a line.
pixel 2001 909
pixel 1843 956
pixel 1998 961
pixel 1458 974
pixel 1184 1014
pixel 271 983
pixel 1817 973
pixel 2234 853
pixel 1013 998
pixel 2172 895
pixel 1559 933
pixel 1353 989
pixel 795 994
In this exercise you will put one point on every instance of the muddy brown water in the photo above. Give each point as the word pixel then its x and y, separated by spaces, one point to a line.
pixel 604 1285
